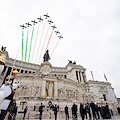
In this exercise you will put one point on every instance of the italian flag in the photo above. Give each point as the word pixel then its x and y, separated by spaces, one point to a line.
pixel 84 74
pixel 105 77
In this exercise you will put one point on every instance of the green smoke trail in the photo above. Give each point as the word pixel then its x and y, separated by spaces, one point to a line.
pixel 30 44
pixel 22 44
pixel 26 45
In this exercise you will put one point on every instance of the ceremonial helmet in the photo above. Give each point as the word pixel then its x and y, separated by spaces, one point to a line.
pixel 0 51
pixel 14 71
pixel 2 62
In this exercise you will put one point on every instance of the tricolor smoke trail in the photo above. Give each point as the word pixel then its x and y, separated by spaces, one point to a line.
pixel 30 44
pixel 35 44
pixel 40 40
pixel 22 44
pixel 26 45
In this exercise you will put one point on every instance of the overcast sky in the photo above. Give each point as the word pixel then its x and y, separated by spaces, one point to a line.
pixel 90 30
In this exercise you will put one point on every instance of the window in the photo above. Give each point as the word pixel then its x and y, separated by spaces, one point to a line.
pixel 22 71
pixel 104 97
pixel 65 76
pixel 77 75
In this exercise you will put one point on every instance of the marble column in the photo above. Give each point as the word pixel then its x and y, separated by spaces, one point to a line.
pixel 6 71
pixel 79 76
pixel 55 90
pixel 82 81
pixel 43 88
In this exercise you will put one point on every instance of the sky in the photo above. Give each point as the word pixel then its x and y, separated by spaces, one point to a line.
pixel 90 30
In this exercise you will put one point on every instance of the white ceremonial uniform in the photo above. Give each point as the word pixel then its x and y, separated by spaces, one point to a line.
pixel 5 91
pixel 1 68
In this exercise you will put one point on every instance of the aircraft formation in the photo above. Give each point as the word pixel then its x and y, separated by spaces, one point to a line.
pixel 27 46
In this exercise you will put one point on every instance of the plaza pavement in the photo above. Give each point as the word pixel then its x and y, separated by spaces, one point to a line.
pixel 115 118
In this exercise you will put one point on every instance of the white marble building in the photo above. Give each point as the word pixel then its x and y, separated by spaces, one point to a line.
pixel 61 85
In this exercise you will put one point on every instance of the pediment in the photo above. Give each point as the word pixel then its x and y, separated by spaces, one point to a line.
pixel 71 67
pixel 50 77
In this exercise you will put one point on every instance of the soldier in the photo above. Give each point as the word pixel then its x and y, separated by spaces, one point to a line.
pixel 7 92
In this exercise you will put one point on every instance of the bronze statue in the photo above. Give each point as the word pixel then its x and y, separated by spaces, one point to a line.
pixel 70 61
pixel 3 48
pixel 46 56
pixel 74 62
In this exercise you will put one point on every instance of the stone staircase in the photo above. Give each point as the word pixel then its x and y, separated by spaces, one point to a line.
pixel 47 115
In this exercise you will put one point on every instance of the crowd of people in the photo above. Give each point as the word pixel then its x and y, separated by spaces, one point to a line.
pixel 94 111
pixel 55 108
pixel 90 111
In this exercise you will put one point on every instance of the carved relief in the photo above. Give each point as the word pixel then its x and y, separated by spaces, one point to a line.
pixel 36 91
pixel 29 91
pixel 88 97
pixel 68 93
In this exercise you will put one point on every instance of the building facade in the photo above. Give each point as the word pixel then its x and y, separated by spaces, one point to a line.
pixel 61 85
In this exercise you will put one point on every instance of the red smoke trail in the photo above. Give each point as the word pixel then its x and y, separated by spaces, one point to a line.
pixel 54 49
pixel 48 41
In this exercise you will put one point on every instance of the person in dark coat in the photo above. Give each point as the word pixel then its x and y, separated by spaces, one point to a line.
pixel 107 115
pixel 112 114
pixel 92 105
pixel 55 111
pixel 97 111
pixel 15 112
pixel 25 111
pixel 88 110
pixel 41 110
pixel 102 111
pixel 66 112
pixel 74 107
pixel 85 110
pixel 34 107
pixel 81 111
pixel 118 109
pixel 12 111
pixel 72 111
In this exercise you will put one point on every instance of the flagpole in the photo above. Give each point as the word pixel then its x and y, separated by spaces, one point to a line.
pixel 92 75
